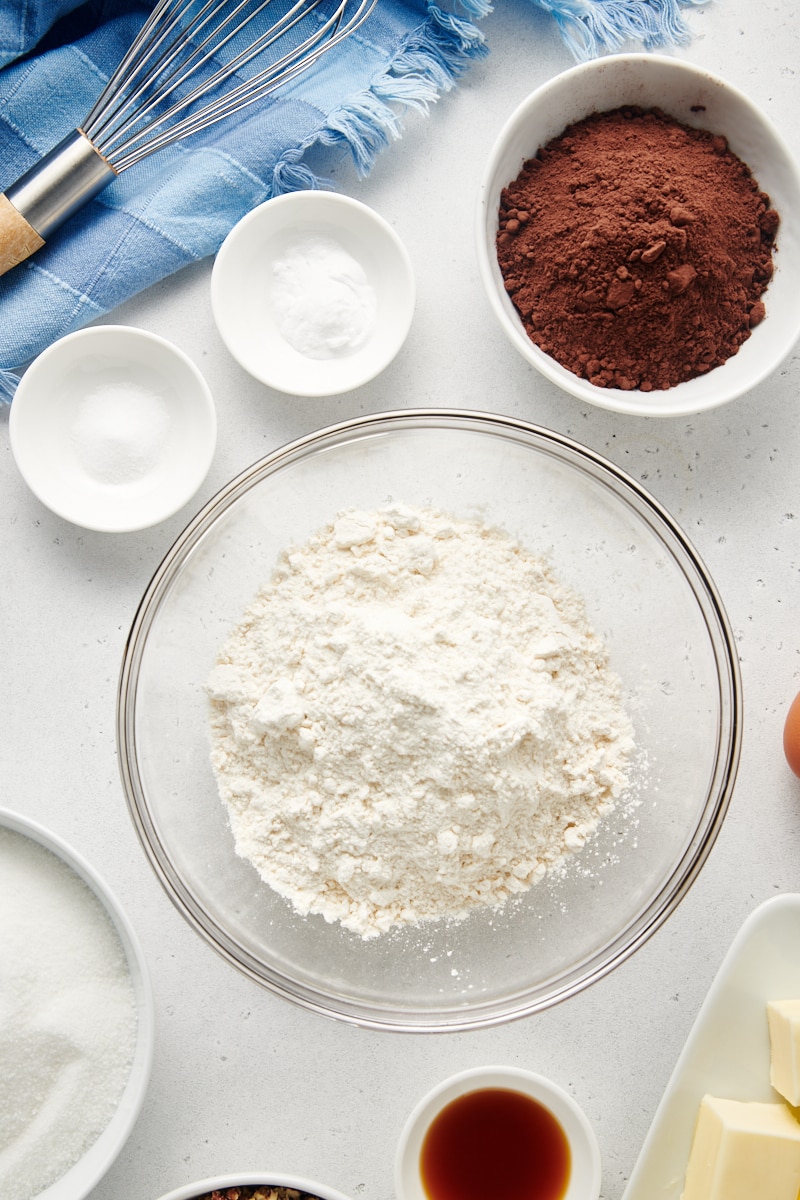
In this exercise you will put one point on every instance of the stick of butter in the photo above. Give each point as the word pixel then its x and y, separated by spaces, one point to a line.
pixel 783 1017
pixel 743 1151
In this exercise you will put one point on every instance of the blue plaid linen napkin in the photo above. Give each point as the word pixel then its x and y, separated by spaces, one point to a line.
pixel 176 207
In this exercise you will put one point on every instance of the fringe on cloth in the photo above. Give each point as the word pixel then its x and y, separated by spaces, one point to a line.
pixel 8 385
pixel 427 66
pixel 594 27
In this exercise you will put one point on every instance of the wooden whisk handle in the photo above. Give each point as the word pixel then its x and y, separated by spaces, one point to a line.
pixel 18 239
pixel 45 196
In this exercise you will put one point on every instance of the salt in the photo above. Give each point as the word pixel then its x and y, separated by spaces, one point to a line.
pixel 321 298
pixel 68 1019
pixel 120 430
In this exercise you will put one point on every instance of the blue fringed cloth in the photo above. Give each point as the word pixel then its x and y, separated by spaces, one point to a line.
pixel 177 206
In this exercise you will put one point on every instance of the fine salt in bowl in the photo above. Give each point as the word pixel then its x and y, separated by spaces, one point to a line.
pixel 556 1148
pixel 696 98
pixel 113 428
pixel 84 1175
pixel 313 293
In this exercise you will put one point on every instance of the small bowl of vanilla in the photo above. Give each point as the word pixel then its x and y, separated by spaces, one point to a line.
pixel 519 1129
pixel 313 293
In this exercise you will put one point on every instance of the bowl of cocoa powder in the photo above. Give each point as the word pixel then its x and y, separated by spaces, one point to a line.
pixel 638 236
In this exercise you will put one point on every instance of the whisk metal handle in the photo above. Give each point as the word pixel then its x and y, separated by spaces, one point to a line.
pixel 46 195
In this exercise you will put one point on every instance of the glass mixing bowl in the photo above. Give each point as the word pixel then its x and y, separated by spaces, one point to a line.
pixel 646 592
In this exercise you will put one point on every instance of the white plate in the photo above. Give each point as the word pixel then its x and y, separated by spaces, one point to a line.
pixel 727 1051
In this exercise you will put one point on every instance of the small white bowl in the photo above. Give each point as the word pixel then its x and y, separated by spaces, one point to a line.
pixel 113 428
pixel 585 1169
pixel 85 1174
pixel 252 1179
pixel 249 304
pixel 694 97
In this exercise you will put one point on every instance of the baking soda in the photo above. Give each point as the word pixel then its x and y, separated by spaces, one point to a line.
pixel 322 301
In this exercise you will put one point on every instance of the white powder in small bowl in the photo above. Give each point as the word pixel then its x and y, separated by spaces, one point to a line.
pixel 413 719
pixel 321 298
pixel 119 431
pixel 68 1017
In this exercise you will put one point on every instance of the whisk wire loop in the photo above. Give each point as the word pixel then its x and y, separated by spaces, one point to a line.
pixel 293 63
pixel 180 39
pixel 178 77
pixel 144 47
pixel 152 69
pixel 151 65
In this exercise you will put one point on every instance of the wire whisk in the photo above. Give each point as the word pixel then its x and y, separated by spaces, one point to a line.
pixel 192 64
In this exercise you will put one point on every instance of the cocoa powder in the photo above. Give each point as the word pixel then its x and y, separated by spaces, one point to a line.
pixel 636 249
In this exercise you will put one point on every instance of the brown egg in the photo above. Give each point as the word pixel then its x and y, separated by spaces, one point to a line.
pixel 791 736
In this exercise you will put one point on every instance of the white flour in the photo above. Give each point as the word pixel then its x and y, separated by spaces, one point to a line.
pixel 413 718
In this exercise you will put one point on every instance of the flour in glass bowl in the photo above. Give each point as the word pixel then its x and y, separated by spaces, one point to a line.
pixel 414 718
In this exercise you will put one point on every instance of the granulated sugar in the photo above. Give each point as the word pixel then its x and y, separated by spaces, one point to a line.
pixel 68 1018
pixel 413 718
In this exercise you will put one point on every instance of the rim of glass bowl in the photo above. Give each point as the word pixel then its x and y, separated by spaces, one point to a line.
pixel 673 889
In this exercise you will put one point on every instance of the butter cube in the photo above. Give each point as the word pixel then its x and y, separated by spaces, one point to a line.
pixel 743 1151
pixel 783 1017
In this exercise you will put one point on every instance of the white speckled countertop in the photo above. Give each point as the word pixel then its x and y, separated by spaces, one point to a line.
pixel 242 1078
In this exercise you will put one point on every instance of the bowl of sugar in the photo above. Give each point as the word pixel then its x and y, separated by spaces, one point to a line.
pixel 113 428
pixel 78 1018
pixel 313 293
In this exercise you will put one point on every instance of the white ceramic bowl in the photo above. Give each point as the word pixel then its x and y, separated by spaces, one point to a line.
pixel 585 1167
pixel 252 1179
pixel 81 1178
pixel 113 428
pixel 248 313
pixel 697 98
